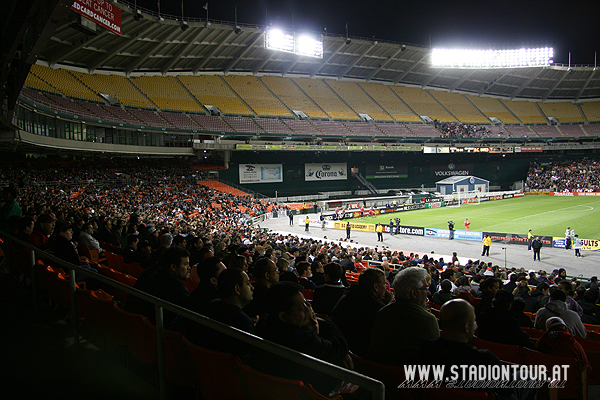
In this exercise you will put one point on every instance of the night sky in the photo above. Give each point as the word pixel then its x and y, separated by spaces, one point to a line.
pixel 567 26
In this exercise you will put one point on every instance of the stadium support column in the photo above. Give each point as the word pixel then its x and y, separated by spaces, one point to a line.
pixel 226 158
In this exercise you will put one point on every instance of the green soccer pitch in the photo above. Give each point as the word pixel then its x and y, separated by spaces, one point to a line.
pixel 544 215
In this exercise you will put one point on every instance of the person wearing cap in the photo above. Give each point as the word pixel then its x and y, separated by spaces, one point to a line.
pixel 444 294
pixel 532 278
pixel 62 247
pixel 498 325
pixel 42 231
pixel 557 307
pixel 560 342
pixel 593 283
pixel 488 288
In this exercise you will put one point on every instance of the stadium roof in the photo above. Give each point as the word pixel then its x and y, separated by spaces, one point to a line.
pixel 154 45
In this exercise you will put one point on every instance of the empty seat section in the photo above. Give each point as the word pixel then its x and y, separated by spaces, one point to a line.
pixel 34 82
pixel 520 131
pixel 272 125
pixel 564 112
pixel 301 127
pixel 211 123
pixel 387 99
pixel 331 128
pixel 117 86
pixel 572 130
pixel 497 131
pixel 212 90
pixel 422 103
pixel 592 129
pixel 243 124
pixel 395 130
pixel 591 110
pixel 180 121
pixel 360 102
pixel 66 83
pixel 291 96
pixel 459 107
pixel 122 115
pixel 150 118
pixel 363 129
pixel 166 93
pixel 526 111
pixel 103 112
pixel 424 130
pixel 257 96
pixel 221 187
pixel 546 130
pixel 493 108
pixel 326 98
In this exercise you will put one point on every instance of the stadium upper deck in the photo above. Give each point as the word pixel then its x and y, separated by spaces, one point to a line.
pixel 164 77
pixel 264 106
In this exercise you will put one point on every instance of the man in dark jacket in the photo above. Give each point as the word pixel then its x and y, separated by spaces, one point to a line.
pixel 326 296
pixel 292 323
pixel 167 284
pixel 496 324
pixel 355 312
pixel 536 245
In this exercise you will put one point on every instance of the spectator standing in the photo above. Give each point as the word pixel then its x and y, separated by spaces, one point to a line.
pixel 536 245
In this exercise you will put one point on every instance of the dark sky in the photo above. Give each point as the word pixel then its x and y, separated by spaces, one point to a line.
pixel 567 26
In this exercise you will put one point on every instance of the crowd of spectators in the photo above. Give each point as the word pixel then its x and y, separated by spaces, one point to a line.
pixel 178 227
pixel 564 176
pixel 450 130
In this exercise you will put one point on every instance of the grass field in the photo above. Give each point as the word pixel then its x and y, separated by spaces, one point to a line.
pixel 544 215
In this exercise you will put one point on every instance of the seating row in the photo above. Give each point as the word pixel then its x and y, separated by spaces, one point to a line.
pixel 318 98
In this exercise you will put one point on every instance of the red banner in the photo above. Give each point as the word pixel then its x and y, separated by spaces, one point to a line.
pixel 568 194
pixel 101 12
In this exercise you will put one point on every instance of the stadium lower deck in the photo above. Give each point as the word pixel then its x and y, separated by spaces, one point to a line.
pixel 516 255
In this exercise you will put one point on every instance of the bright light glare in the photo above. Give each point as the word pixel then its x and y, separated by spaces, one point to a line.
pixel 309 46
pixel 457 58
pixel 305 45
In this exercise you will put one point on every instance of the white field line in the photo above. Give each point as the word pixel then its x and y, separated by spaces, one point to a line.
pixel 560 209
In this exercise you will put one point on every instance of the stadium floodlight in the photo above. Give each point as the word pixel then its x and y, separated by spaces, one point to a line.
pixel 279 40
pixel 309 46
pixel 303 44
pixel 483 59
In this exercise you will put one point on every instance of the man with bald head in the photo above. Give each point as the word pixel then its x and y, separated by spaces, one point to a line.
pixel 457 322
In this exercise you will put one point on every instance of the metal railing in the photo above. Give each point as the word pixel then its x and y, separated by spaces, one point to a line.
pixel 374 386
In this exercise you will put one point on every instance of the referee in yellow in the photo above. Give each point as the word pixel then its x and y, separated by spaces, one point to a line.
pixel 487 242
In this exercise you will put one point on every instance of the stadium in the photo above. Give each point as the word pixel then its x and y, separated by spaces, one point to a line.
pixel 215 128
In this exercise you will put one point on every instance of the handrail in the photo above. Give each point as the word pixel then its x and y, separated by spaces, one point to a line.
pixel 376 387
